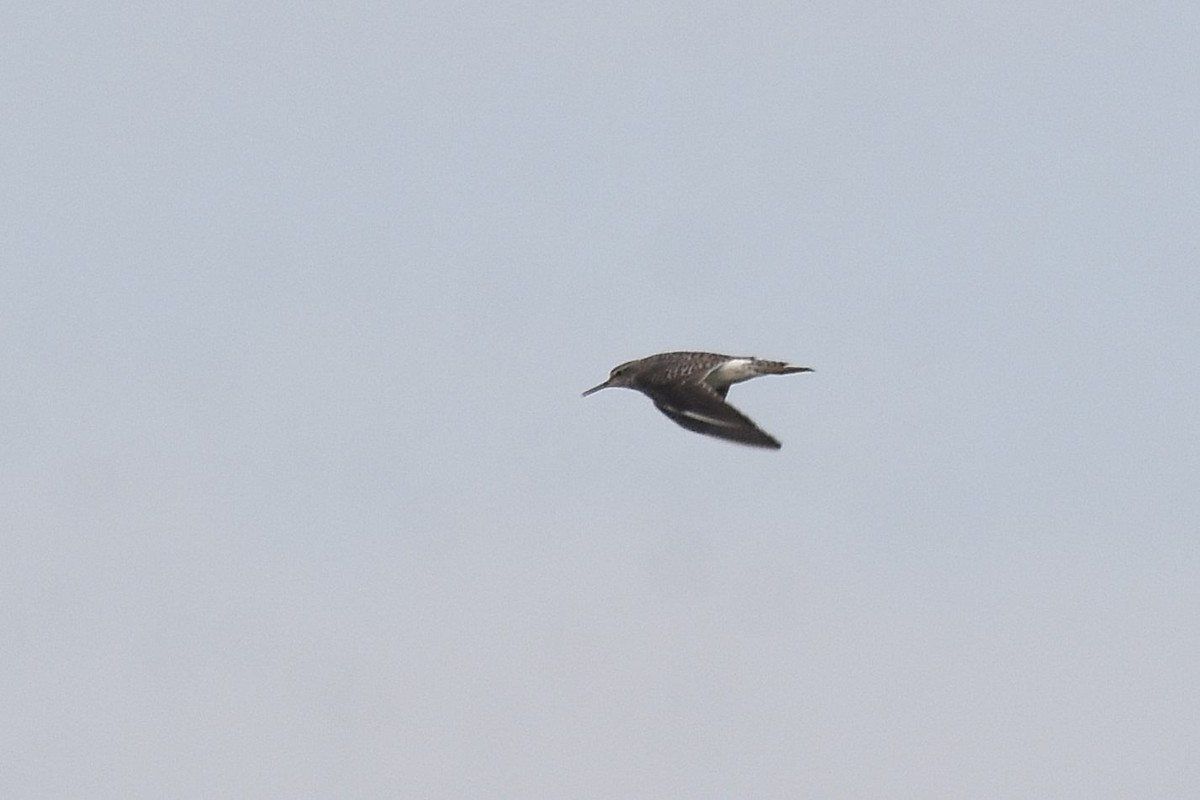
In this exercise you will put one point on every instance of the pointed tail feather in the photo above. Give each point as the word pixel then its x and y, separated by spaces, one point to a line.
pixel 778 367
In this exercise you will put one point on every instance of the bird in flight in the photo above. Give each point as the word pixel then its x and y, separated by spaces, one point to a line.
pixel 690 388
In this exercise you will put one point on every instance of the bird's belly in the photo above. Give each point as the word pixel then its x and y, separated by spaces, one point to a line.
pixel 734 370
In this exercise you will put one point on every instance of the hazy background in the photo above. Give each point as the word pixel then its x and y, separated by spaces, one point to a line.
pixel 300 498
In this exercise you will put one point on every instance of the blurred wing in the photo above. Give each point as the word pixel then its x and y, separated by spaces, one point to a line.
pixel 699 409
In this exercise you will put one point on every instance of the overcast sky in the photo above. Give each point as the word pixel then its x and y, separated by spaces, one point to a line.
pixel 300 499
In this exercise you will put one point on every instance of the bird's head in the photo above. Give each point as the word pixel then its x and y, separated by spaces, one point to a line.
pixel 622 375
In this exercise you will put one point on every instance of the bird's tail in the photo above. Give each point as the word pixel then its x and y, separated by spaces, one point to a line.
pixel 777 367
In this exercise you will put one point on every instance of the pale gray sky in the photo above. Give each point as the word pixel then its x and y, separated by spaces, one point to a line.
pixel 301 500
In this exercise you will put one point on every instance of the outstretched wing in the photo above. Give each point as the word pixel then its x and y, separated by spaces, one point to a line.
pixel 699 409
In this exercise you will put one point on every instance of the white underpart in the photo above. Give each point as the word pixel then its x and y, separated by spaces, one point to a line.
pixel 732 371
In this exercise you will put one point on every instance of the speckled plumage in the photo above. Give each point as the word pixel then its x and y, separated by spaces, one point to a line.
pixel 690 389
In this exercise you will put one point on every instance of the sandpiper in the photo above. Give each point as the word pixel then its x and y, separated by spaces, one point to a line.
pixel 690 388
